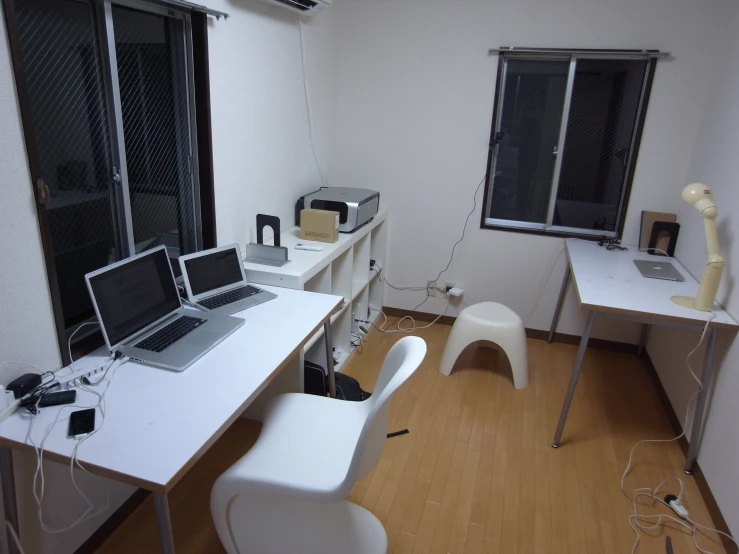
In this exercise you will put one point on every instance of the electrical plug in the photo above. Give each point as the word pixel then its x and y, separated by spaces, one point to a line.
pixel 674 502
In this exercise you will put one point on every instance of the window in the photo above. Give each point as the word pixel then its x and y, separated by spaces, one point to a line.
pixel 107 94
pixel 565 137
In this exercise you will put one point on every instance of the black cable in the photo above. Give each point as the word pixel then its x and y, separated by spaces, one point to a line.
pixel 358 347
pixel 31 403
pixel 397 433
pixel 464 231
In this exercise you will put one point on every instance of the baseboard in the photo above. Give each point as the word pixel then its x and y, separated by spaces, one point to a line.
pixel 602 344
pixel 101 534
pixel 531 333
pixel 710 501
pixel 420 316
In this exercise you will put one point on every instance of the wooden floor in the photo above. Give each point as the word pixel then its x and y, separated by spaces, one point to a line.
pixel 477 473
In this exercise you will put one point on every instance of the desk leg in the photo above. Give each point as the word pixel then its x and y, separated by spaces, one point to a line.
pixel 700 407
pixel 643 339
pixel 573 379
pixel 164 524
pixel 328 340
pixel 555 317
pixel 7 478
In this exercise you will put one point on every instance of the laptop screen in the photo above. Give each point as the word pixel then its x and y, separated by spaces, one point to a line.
pixel 135 294
pixel 213 271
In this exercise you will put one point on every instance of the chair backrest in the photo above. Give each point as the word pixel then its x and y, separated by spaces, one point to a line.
pixel 400 363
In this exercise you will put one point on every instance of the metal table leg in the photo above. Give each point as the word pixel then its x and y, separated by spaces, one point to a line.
pixel 700 407
pixel 7 479
pixel 643 339
pixel 164 524
pixel 573 379
pixel 555 317
pixel 328 340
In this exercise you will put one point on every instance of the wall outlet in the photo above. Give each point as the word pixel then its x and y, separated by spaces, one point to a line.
pixel 431 287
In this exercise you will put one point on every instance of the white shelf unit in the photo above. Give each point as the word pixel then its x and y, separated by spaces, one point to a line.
pixel 341 268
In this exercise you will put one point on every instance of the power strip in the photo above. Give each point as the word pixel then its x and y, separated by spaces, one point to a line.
pixel 79 374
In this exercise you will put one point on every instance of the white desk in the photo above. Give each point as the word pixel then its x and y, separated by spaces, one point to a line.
pixel 609 284
pixel 159 423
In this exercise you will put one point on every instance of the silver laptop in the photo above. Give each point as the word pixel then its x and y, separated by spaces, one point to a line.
pixel 215 279
pixel 141 314
pixel 659 270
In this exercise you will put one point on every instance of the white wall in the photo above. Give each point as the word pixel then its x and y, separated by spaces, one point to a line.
pixel 261 148
pixel 715 163
pixel 262 161
pixel 416 89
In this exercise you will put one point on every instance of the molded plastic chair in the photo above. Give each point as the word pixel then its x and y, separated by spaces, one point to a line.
pixel 287 494
pixel 489 321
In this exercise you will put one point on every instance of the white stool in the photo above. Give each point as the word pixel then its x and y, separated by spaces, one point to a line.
pixel 492 322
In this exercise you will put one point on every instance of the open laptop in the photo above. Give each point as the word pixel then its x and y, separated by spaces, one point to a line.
pixel 141 314
pixel 215 279
pixel 659 270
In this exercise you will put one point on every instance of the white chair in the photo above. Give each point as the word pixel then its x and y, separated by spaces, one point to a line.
pixel 287 494
pixel 489 321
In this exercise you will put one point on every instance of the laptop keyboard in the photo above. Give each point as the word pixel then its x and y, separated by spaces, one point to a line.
pixel 213 302
pixel 167 336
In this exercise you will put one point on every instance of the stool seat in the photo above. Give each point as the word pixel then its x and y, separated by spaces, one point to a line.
pixel 491 313
pixel 493 322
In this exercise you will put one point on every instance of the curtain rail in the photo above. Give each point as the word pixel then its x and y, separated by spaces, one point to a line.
pixel 576 52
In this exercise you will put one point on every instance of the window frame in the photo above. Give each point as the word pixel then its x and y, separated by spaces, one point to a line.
pixel 570 55
pixel 198 79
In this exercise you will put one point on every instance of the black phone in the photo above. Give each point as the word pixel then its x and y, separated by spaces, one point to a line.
pixel 81 422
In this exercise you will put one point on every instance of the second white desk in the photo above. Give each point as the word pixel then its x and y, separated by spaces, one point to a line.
pixel 609 284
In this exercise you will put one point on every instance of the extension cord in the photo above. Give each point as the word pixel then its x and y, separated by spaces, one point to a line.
pixel 674 502
pixel 9 410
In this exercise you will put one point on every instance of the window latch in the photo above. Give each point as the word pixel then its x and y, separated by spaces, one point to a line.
pixel 555 151
pixel 42 190
pixel 116 175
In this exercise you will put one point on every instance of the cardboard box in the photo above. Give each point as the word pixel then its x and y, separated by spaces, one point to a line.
pixel 320 225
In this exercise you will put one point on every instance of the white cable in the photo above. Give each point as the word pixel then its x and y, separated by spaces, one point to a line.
pixel 636 517
pixel 39 480
pixel 26 364
pixel 451 256
pixel 428 287
pixel 650 250
pixel 71 336
pixel 383 329
pixel 385 280
pixel 14 534
pixel 309 108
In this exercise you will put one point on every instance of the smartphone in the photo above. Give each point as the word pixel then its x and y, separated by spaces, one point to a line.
pixel 81 422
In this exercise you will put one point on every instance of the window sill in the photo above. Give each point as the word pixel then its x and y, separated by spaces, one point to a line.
pixel 547 232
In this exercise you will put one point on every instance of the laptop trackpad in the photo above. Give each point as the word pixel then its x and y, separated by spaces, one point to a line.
pixel 204 338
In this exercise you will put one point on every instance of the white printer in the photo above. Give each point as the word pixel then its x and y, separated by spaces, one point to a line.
pixel 356 207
